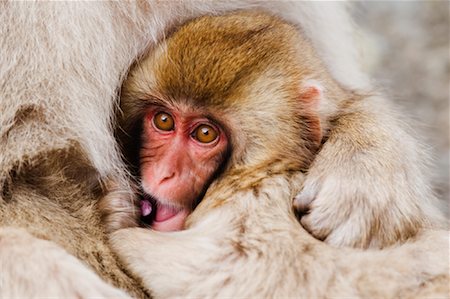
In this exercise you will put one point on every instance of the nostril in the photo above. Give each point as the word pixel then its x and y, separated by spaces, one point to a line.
pixel 167 177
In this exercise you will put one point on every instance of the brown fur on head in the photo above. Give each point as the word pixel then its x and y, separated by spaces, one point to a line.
pixel 255 92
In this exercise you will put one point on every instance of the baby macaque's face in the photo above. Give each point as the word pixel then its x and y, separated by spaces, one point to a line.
pixel 215 91
pixel 181 151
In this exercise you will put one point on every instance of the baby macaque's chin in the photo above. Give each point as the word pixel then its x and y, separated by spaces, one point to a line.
pixel 162 217
pixel 174 223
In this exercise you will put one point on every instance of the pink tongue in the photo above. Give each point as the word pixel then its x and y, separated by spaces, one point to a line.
pixel 164 212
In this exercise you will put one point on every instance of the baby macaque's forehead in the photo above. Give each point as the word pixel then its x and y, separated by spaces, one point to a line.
pixel 208 60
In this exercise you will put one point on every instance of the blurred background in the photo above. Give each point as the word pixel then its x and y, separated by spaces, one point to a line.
pixel 406 49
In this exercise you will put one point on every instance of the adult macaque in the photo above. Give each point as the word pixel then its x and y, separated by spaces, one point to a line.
pixel 250 83
pixel 61 65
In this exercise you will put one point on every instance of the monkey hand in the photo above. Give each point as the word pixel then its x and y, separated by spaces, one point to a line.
pixel 341 208
pixel 33 267
pixel 362 190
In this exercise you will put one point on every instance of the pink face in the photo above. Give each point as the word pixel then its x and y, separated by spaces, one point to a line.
pixel 180 153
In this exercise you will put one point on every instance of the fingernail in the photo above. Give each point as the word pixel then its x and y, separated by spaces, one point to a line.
pixel 146 207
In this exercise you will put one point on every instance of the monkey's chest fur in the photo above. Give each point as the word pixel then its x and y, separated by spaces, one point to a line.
pixel 53 196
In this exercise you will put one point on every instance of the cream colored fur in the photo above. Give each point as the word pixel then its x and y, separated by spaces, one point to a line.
pixel 387 198
pixel 253 247
pixel 61 65
pixel 56 274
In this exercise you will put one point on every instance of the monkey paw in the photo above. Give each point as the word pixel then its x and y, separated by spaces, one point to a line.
pixel 326 218
pixel 348 209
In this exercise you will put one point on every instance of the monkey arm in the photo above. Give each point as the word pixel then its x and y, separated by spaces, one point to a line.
pixel 370 162
pixel 32 268
pixel 190 264
pixel 166 262
pixel 254 247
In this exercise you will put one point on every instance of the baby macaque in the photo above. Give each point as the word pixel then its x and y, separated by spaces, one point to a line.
pixel 190 129
pixel 361 190
pixel 236 107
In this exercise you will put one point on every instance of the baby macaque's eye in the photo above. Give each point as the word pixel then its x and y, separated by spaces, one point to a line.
pixel 205 134
pixel 163 121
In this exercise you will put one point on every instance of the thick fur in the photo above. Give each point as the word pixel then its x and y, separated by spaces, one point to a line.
pixel 253 247
pixel 61 66
pixel 387 198
pixel 243 240
pixel 56 273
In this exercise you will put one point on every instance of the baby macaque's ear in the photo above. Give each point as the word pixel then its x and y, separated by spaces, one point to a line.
pixel 312 99
pixel 311 93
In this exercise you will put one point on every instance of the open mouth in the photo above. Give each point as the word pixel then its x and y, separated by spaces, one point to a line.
pixel 162 217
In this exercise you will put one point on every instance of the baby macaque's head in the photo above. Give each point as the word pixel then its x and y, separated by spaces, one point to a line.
pixel 222 92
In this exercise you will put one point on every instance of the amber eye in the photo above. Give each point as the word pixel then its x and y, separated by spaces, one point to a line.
pixel 205 134
pixel 163 121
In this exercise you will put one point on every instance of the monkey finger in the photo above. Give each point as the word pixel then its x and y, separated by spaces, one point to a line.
pixel 303 200
pixel 146 207
pixel 310 224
